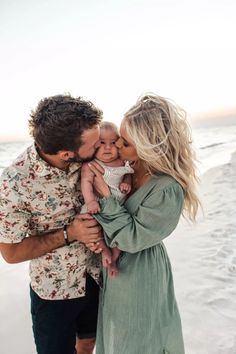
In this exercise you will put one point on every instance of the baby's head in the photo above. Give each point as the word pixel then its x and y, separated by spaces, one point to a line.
pixel 108 152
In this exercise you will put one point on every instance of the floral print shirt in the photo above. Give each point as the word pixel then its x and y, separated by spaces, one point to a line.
pixel 36 198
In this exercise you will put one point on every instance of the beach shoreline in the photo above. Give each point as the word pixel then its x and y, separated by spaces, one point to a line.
pixel 203 258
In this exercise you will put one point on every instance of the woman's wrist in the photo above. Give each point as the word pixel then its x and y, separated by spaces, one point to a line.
pixel 103 201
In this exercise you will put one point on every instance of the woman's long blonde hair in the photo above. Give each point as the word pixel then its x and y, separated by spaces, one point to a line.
pixel 162 138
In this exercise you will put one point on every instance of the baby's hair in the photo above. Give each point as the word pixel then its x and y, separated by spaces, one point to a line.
pixel 109 125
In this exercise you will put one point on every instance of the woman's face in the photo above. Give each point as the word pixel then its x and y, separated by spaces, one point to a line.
pixel 125 145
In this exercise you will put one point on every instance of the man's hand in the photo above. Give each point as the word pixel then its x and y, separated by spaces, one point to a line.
pixel 84 228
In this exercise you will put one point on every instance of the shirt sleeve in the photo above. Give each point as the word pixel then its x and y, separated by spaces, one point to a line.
pixel 156 217
pixel 14 220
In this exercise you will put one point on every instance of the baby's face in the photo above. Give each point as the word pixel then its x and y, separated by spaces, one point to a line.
pixel 107 152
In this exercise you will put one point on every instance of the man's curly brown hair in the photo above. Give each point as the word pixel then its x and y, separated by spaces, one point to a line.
pixel 58 122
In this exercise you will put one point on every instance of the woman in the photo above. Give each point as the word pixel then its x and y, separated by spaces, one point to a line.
pixel 138 311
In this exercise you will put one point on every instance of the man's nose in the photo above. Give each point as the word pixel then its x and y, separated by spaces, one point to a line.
pixel 98 144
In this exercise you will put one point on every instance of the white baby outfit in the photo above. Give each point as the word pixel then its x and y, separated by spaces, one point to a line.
pixel 113 176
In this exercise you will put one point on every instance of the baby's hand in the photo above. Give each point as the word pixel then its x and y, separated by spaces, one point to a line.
pixel 93 207
pixel 125 187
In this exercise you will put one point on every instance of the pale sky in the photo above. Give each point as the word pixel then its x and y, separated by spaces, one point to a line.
pixel 111 51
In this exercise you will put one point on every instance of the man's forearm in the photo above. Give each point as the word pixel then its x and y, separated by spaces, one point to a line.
pixel 32 247
pixel 84 228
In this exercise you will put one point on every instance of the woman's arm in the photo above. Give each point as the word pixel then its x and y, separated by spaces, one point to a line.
pixel 156 217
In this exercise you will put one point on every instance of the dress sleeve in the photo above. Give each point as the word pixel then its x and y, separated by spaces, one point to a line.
pixel 156 217
pixel 14 221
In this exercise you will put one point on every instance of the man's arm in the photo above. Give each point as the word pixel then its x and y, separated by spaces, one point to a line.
pixel 83 228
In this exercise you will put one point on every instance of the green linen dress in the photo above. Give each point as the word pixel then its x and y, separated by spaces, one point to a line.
pixel 138 313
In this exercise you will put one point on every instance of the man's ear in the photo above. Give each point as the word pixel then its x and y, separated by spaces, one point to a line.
pixel 65 155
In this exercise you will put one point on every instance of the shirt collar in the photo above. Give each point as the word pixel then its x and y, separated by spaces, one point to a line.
pixel 42 168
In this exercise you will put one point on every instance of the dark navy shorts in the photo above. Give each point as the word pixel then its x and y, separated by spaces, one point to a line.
pixel 57 322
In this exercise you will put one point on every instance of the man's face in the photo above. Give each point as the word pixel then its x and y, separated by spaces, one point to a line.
pixel 90 143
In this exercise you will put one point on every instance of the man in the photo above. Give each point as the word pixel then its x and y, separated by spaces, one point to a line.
pixel 39 221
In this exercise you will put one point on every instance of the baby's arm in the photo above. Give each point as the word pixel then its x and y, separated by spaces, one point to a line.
pixel 125 186
pixel 87 177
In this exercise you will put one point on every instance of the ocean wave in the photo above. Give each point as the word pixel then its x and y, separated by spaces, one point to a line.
pixel 211 145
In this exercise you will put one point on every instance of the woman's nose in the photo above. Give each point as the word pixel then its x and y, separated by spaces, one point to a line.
pixel 119 143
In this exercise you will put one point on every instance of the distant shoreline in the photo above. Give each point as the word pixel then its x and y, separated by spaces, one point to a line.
pixel 23 141
pixel 214 121
pixel 200 120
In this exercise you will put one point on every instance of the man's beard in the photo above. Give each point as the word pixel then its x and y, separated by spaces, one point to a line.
pixel 78 158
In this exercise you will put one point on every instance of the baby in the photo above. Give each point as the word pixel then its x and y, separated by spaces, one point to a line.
pixel 117 176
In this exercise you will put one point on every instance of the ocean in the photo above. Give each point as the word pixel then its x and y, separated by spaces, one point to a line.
pixel 213 145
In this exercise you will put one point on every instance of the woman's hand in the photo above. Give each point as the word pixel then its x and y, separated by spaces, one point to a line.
pixel 100 185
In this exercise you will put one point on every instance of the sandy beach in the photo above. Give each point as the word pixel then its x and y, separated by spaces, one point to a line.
pixel 204 264
pixel 203 258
